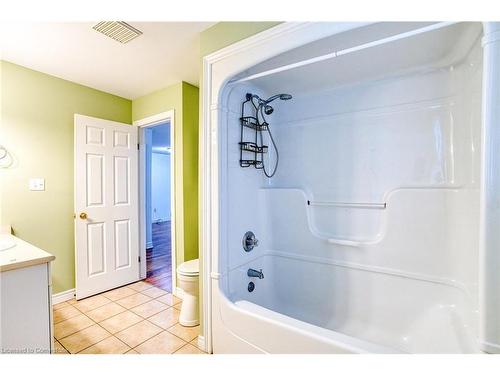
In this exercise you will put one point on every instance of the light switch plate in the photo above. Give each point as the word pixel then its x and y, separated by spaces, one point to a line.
pixel 37 184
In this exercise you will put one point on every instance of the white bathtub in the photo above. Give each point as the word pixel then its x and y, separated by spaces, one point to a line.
pixel 304 303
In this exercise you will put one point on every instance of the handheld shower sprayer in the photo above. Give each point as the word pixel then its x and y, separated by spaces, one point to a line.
pixel 267 108
pixel 280 96
pixel 270 99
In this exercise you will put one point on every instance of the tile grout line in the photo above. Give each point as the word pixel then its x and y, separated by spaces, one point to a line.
pixel 195 346
pixel 91 345
pixel 60 343
pixel 76 316
pixel 132 312
pixel 83 312
pixel 181 348
pixel 177 335
pixel 130 326
pixel 86 346
pixel 124 343
pixel 163 330
pixel 111 335
pixel 95 323
pixel 121 330
pixel 62 338
pixel 109 317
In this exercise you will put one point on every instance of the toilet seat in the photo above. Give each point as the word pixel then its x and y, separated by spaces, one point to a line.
pixel 189 268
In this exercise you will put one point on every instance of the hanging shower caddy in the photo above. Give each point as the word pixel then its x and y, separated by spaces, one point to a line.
pixel 251 152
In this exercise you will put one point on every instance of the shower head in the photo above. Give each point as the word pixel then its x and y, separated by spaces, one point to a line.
pixel 268 109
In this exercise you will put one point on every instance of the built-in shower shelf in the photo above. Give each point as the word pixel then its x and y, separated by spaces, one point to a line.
pixel 354 208
pixel 253 147
pixel 354 243
pixel 252 123
pixel 379 206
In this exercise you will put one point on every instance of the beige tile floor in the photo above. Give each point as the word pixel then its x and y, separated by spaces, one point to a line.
pixel 134 319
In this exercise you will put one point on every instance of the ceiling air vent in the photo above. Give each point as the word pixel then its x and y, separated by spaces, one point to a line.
pixel 118 30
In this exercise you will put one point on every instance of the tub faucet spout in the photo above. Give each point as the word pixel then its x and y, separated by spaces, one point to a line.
pixel 254 273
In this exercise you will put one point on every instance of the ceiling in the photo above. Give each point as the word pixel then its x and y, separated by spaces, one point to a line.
pixel 166 53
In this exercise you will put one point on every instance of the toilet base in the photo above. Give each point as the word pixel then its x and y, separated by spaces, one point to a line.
pixel 189 316
pixel 191 323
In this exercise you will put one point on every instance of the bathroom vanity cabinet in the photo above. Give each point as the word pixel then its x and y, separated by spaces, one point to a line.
pixel 25 297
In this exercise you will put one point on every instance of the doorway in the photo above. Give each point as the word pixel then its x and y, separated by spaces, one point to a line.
pixel 156 164
pixel 107 247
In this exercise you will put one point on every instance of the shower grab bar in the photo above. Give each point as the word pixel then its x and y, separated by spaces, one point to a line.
pixel 335 54
pixel 379 206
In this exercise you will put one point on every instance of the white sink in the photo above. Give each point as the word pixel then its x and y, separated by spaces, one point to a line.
pixel 6 243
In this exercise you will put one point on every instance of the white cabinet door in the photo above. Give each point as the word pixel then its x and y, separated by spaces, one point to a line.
pixel 106 205
pixel 25 310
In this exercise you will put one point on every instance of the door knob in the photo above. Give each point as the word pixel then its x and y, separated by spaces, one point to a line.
pixel 83 216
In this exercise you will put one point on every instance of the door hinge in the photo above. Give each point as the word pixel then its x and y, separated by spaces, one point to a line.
pixel 138 146
pixel 139 258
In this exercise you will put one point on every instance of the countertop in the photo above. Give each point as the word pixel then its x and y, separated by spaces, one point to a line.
pixel 23 254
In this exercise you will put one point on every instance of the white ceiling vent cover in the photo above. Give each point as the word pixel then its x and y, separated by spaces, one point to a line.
pixel 118 30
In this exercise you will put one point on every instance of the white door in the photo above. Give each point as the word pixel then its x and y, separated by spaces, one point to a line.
pixel 106 205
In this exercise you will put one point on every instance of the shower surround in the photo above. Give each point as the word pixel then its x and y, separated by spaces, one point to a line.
pixel 373 233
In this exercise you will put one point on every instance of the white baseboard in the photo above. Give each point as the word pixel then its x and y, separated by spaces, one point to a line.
pixel 63 296
pixel 201 343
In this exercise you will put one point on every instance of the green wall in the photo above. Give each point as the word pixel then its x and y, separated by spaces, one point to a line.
pixel 223 34
pixel 37 127
pixel 183 99
pixel 159 101
pixel 190 113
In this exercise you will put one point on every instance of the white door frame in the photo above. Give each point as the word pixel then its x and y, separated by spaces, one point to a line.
pixel 142 124
pixel 218 68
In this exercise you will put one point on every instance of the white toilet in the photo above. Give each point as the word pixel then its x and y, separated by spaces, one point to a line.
pixel 188 275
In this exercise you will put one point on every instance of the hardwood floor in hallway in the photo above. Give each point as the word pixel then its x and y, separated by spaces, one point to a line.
pixel 159 258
